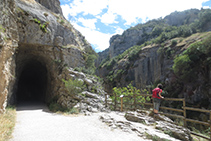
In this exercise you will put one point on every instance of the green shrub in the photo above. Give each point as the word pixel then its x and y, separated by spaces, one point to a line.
pixel 74 111
pixel 129 92
pixel 173 42
pixel 56 107
pixel 90 56
pixel 74 87
pixel 62 22
pixel 37 21
pixel 2 29
pixel 196 59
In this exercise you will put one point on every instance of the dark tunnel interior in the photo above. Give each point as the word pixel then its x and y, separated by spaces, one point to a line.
pixel 32 83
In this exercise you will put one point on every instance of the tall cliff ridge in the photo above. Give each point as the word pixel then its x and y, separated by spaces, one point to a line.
pixel 149 53
pixel 36 46
pixel 142 33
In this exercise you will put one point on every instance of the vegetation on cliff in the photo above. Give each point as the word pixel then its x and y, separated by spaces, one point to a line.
pixel 194 61
pixel 156 32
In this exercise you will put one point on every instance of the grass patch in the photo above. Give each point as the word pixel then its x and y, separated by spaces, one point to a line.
pixel 7 123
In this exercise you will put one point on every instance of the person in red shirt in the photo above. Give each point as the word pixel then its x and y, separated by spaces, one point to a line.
pixel 156 94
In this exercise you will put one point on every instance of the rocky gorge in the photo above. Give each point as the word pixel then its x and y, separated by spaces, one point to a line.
pixel 38 47
pixel 40 51
pixel 144 55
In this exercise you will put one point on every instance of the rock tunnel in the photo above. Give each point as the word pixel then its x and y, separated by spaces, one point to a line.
pixel 33 77
pixel 32 82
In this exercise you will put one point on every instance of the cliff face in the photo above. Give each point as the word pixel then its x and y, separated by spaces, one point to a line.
pixel 120 43
pixel 53 5
pixel 141 33
pixel 153 64
pixel 36 45
pixel 144 55
pixel 8 46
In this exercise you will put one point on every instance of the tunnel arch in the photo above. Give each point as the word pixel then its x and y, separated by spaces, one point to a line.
pixel 32 82
pixel 33 76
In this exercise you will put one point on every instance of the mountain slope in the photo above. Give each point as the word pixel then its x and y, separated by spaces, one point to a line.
pixel 146 54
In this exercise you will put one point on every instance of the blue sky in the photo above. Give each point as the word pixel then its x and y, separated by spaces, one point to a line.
pixel 99 20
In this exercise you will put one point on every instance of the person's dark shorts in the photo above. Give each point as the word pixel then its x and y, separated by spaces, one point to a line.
pixel 156 103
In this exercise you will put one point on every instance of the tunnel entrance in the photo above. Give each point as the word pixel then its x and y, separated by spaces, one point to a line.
pixel 32 82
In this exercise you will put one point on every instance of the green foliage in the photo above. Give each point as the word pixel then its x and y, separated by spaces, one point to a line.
pixel 196 59
pixel 74 111
pixel 74 87
pixel 104 61
pixel 37 21
pixel 62 22
pixel 204 18
pixel 114 75
pixel 2 29
pixel 129 93
pixel 173 42
pixel 55 107
pixel 90 58
pixel 111 63
pixel 157 32
pixel 43 27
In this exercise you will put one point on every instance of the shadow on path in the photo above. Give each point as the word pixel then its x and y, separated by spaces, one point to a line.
pixel 32 105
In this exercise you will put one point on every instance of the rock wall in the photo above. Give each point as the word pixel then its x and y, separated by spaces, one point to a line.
pixel 181 18
pixel 130 37
pixel 53 5
pixel 8 45
pixel 34 37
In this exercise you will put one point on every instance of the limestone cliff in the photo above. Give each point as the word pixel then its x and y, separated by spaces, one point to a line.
pixel 142 33
pixel 144 55
pixel 36 46
pixel 53 5
pixel 8 46
pixel 153 64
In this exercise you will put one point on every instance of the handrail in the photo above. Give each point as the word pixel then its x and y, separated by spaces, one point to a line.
pixel 183 110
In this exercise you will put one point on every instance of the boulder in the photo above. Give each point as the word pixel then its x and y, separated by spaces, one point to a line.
pixel 162 123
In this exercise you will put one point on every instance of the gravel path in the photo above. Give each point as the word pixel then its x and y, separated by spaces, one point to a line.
pixel 36 123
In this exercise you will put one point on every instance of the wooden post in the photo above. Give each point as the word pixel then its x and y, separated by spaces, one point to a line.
pixel 134 96
pixel 121 96
pixel 106 102
pixel 210 125
pixel 184 113
pixel 121 104
pixel 115 101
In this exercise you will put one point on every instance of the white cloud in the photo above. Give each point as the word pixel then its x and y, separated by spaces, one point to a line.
pixel 206 7
pixel 93 7
pixel 66 10
pixel 131 11
pixel 88 23
pixel 134 9
pixel 108 18
pixel 119 30
pixel 101 40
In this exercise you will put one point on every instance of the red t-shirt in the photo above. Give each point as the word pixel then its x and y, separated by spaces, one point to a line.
pixel 155 93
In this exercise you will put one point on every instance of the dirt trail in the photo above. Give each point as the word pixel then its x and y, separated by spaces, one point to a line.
pixel 36 123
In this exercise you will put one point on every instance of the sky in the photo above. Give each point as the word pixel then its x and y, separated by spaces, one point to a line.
pixel 99 20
